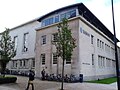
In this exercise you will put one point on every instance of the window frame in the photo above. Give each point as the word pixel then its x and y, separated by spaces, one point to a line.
pixel 43 58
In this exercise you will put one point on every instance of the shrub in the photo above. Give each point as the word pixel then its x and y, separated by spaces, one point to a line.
pixel 4 80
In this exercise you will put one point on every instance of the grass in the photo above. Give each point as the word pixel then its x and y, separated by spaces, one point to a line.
pixel 105 81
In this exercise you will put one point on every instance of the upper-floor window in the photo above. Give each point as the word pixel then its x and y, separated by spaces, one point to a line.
pixel 57 19
pixel 47 21
pixel 68 14
pixel 43 38
pixel 97 42
pixel 25 42
pixel 16 42
pixel 92 37
pixel 54 38
pixel 43 59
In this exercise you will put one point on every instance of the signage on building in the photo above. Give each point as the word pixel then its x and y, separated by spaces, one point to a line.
pixel 84 32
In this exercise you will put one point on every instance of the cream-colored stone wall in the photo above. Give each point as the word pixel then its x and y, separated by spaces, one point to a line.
pixel 48 49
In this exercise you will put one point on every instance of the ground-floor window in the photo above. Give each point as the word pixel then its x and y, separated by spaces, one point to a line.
pixel 43 59
pixel 33 62
pixel 54 57
pixel 68 61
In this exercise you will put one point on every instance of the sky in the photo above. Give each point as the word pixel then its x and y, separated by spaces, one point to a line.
pixel 16 12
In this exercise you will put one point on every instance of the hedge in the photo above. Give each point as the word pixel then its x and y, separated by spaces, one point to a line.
pixel 4 80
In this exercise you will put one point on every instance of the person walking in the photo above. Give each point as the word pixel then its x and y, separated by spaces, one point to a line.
pixel 43 74
pixel 31 78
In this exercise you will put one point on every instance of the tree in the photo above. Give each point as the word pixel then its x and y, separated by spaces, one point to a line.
pixel 65 44
pixel 7 50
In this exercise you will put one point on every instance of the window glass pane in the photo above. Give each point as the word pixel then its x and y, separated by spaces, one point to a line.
pixel 55 35
pixel 43 58
pixel 62 16
pixel 25 43
pixel 16 42
pixel 50 20
pixel 68 15
pixel 92 39
pixel 56 19
pixel 43 23
pixel 68 61
pixel 54 58
pixel 72 13
pixel 43 39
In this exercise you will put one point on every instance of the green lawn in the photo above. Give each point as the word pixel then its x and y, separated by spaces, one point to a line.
pixel 105 81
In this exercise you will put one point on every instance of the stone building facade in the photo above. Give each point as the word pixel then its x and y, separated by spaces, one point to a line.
pixel 93 57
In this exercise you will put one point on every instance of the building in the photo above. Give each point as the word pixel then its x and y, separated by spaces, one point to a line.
pixel 93 57
pixel 24 37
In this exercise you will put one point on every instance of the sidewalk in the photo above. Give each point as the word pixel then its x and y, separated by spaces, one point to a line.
pixel 48 85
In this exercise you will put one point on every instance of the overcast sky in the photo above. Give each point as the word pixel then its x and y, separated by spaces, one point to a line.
pixel 16 12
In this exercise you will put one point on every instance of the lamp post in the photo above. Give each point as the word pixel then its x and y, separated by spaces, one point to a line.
pixel 115 43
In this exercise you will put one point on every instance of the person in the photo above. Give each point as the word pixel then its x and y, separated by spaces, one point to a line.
pixel 43 74
pixel 31 78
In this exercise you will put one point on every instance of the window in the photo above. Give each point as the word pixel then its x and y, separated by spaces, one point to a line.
pixel 43 39
pixel 25 63
pixel 97 42
pixel 16 42
pixel 62 16
pixel 102 45
pixel 56 19
pixel 33 62
pixel 47 21
pixel 20 63
pixel 55 35
pixel 68 61
pixel 101 61
pixel 54 58
pixel 92 59
pixel 92 39
pixel 25 42
pixel 108 62
pixel 73 13
pixel 43 59
pixel 14 64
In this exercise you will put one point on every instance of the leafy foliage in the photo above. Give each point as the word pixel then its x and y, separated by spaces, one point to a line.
pixel 65 42
pixel 7 50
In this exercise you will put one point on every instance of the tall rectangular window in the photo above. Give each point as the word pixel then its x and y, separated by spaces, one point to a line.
pixel 14 64
pixel 92 37
pixel 43 59
pixel 33 62
pixel 54 58
pixel 20 63
pixel 92 59
pixel 97 42
pixel 43 39
pixel 55 35
pixel 16 42
pixel 25 42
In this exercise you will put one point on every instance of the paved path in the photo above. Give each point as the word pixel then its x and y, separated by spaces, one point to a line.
pixel 47 85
